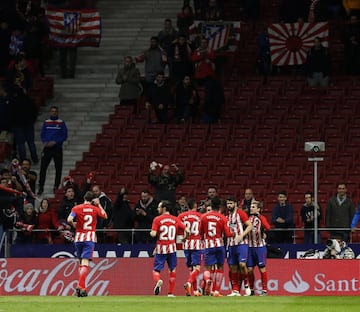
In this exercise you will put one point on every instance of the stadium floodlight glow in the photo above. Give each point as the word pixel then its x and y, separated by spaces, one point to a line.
pixel 314 147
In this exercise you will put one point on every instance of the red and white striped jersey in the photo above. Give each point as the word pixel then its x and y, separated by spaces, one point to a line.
pixel 236 220
pixel 166 226
pixel 256 236
pixel 85 216
pixel 212 228
pixel 191 219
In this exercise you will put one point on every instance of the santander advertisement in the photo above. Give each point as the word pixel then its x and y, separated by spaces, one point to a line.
pixel 133 276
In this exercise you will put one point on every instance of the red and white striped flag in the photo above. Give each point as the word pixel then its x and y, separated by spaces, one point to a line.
pixel 290 42
pixel 73 28
pixel 218 34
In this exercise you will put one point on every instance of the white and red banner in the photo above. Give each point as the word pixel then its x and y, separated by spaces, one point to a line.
pixel 290 42
pixel 73 28
pixel 219 34
pixel 122 276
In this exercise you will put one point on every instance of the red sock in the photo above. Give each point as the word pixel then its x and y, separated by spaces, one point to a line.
pixel 244 278
pixel 83 273
pixel 251 278
pixel 218 279
pixel 193 276
pixel 172 280
pixel 212 277
pixel 264 280
pixel 234 280
pixel 156 276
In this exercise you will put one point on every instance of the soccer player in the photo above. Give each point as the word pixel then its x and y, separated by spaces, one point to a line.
pixel 213 226
pixel 193 247
pixel 238 250
pixel 83 218
pixel 257 247
pixel 165 227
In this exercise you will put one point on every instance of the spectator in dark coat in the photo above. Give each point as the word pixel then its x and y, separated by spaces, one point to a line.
pixel 145 212
pixel 317 65
pixel 159 98
pixel 123 217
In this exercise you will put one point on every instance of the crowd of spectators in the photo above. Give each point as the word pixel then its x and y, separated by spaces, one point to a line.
pixel 191 66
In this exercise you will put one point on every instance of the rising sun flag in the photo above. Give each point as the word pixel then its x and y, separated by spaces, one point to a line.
pixel 290 42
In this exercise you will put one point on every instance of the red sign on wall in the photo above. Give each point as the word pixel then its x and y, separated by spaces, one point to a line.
pixel 133 276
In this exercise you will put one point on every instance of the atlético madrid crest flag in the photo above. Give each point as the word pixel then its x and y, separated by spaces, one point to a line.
pixel 220 35
pixel 74 28
pixel 290 42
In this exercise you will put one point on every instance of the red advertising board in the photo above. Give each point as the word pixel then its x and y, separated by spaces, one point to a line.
pixel 133 276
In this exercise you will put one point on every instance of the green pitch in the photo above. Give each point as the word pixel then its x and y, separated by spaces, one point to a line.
pixel 179 304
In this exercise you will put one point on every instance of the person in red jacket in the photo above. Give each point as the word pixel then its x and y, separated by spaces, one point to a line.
pixel 204 61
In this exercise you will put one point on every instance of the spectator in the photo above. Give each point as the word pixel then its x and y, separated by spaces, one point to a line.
pixel 12 181
pixel 106 203
pixel 165 181
pixel 211 194
pixel 214 10
pixel 8 199
pixel 23 113
pixel 26 177
pixel 123 217
pixel 307 216
pixel 53 135
pixel 186 101
pixel 283 218
pixel 68 181
pixel 68 202
pixel 181 53
pixel 159 98
pixel 199 7
pixel 204 61
pixel 47 220
pixel 339 213
pixel 246 202
pixel 184 20
pixel 264 55
pixel 18 77
pixel 355 219
pixel 145 212
pixel 352 46
pixel 166 38
pixel 155 60
pixel 129 80
pixel 317 65
pixel 180 206
pixel 27 221
pixel 33 44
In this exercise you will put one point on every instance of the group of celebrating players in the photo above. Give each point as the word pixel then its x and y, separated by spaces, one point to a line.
pixel 206 236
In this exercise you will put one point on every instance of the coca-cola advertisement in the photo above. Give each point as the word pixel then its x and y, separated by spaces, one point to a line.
pixel 133 276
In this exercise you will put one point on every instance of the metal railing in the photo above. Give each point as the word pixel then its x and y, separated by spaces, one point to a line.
pixel 7 237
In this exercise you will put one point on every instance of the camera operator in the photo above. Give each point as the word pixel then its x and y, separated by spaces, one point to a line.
pixel 336 248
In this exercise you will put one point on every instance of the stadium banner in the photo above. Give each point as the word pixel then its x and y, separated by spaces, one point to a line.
pixel 220 35
pixel 124 276
pixel 74 28
pixel 290 42
pixel 289 251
